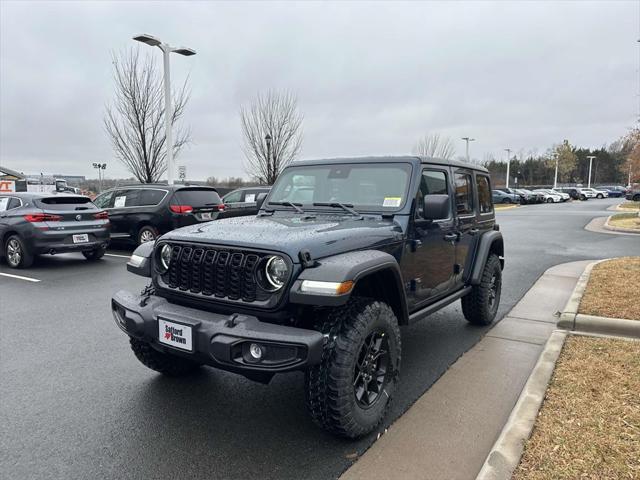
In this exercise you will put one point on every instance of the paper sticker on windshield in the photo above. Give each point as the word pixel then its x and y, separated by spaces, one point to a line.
pixel 120 201
pixel 392 201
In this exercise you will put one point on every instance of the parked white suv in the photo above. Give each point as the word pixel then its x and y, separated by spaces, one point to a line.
pixel 597 193
pixel 549 197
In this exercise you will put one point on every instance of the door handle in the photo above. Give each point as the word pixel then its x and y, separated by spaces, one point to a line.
pixel 451 237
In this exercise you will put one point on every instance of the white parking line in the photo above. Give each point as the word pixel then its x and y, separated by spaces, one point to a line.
pixel 116 255
pixel 19 277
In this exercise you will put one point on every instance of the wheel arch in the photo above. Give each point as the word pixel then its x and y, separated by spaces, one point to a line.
pixel 375 274
pixel 490 243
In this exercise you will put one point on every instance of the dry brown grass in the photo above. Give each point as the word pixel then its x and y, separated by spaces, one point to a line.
pixel 504 206
pixel 589 424
pixel 613 289
pixel 630 205
pixel 625 220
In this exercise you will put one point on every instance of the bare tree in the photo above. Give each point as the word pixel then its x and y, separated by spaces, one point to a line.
pixel 134 120
pixel 274 114
pixel 434 145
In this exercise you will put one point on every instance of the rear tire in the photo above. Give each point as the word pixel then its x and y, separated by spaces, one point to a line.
pixel 16 253
pixel 146 234
pixel 481 304
pixel 169 365
pixel 636 198
pixel 599 196
pixel 95 254
pixel 349 392
pixel 506 200
pixel 549 200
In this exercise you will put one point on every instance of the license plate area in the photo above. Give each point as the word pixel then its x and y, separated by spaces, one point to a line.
pixel 176 335
pixel 81 238
pixel 205 216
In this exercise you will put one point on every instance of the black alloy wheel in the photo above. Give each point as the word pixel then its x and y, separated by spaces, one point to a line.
pixel 371 371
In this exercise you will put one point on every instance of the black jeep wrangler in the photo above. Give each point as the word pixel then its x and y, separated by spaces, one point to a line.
pixel 341 253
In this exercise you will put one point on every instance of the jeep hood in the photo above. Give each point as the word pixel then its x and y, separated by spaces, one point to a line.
pixel 322 235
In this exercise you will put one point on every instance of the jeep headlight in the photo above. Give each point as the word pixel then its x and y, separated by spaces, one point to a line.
pixel 276 273
pixel 165 258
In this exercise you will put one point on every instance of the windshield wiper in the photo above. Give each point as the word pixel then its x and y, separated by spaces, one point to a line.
pixel 347 207
pixel 295 206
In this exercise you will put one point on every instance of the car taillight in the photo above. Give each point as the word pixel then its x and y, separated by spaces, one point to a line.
pixel 181 208
pixel 42 217
pixel 221 207
pixel 103 215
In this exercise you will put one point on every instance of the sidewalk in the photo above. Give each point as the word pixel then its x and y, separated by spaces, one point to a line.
pixel 450 430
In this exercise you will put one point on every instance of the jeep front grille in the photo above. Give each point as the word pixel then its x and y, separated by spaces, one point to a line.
pixel 214 272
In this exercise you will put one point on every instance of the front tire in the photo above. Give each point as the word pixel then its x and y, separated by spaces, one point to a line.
pixel 349 392
pixel 549 200
pixel 169 365
pixel 481 304
pixel 506 200
pixel 16 253
pixel 599 196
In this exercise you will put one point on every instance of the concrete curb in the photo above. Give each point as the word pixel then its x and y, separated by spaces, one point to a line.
pixel 620 229
pixel 505 455
pixel 570 319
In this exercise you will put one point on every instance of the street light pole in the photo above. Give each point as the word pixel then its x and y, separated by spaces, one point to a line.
pixel 508 150
pixel 267 139
pixel 467 140
pixel 590 157
pixel 100 167
pixel 168 104
pixel 555 177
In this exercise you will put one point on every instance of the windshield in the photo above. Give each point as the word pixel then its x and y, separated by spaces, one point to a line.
pixel 366 186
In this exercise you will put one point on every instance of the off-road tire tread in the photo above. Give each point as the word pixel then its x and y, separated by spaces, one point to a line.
pixel 475 305
pixel 169 365
pixel 328 386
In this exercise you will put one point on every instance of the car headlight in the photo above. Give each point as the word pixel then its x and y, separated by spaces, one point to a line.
pixel 276 273
pixel 165 258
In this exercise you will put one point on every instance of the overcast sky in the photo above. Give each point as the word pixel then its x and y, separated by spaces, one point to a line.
pixel 370 77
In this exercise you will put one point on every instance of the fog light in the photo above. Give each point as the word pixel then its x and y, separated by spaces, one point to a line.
pixel 255 351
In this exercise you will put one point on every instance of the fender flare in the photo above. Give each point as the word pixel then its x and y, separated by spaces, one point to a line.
pixel 344 267
pixel 489 241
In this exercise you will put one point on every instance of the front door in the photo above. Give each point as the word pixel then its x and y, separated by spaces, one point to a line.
pixel 428 259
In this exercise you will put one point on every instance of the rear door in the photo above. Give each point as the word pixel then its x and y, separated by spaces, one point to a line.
pixel 465 208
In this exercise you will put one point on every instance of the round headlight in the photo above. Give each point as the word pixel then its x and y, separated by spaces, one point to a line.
pixel 276 272
pixel 165 257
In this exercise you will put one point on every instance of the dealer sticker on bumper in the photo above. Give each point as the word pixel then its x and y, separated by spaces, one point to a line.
pixel 175 335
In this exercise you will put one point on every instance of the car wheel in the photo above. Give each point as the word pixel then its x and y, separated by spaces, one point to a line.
pixel 549 200
pixel 349 392
pixel 506 200
pixel 481 304
pixel 636 198
pixel 167 364
pixel 599 196
pixel 94 254
pixel 147 234
pixel 16 253
pixel 583 197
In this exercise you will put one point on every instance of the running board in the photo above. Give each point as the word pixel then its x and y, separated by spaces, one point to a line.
pixel 429 309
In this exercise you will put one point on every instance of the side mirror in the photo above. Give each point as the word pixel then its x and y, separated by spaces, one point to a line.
pixel 436 207
pixel 260 199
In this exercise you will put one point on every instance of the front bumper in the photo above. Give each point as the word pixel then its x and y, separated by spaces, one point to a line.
pixel 218 340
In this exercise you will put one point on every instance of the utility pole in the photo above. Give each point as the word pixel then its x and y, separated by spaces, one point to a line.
pixel 590 157
pixel 467 140
pixel 555 178
pixel 508 150
pixel 168 105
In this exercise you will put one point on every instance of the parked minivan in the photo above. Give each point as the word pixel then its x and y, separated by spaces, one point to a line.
pixel 141 213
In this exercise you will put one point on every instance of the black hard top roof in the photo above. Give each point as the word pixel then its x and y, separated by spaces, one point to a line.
pixel 413 159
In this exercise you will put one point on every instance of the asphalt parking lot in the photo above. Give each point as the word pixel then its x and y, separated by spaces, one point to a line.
pixel 76 403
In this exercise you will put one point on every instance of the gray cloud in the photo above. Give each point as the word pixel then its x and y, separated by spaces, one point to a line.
pixel 370 77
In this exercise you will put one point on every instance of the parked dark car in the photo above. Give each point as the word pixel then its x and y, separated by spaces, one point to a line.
pixel 536 197
pixel 614 191
pixel 141 213
pixel 576 193
pixel 242 201
pixel 37 223
pixel 633 195
pixel 321 285
pixel 499 196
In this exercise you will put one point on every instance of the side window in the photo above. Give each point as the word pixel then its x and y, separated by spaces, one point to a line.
pixel 233 197
pixel 4 204
pixel 484 194
pixel 103 200
pixel 126 198
pixel 464 194
pixel 433 182
pixel 149 198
